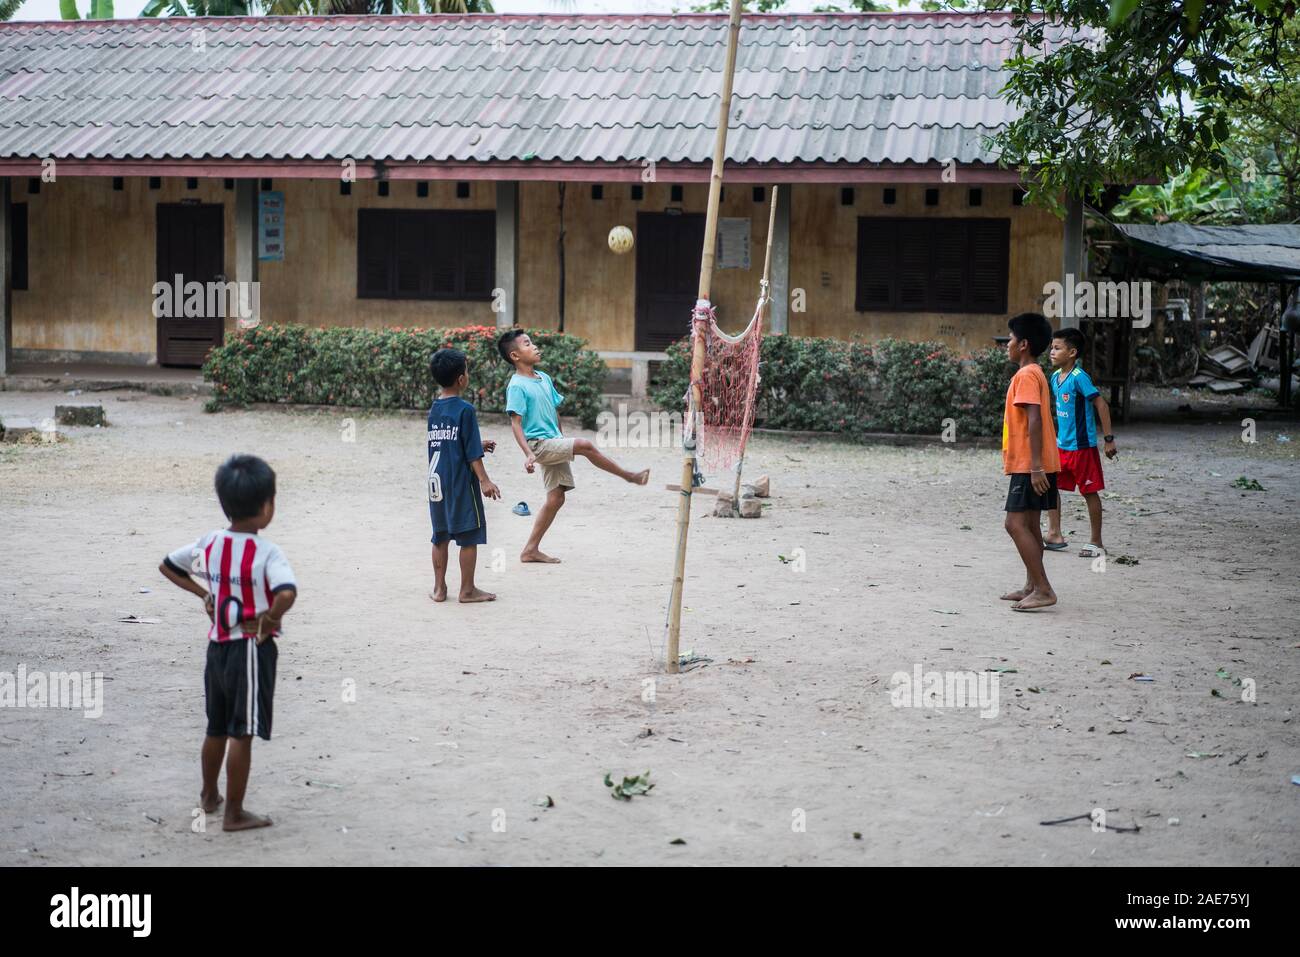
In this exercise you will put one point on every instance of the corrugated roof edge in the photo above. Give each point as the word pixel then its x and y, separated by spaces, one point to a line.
pixel 994 16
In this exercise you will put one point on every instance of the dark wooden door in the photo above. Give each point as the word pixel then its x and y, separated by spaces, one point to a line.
pixel 191 244
pixel 668 251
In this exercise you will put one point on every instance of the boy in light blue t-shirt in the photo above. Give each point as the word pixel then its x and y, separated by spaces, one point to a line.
pixel 532 403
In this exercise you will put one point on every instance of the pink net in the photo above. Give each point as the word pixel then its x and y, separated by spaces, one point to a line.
pixel 728 387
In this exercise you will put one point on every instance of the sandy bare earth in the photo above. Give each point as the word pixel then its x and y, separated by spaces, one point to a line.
pixel 464 716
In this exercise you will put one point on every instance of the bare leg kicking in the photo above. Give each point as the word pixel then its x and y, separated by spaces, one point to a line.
pixel 587 449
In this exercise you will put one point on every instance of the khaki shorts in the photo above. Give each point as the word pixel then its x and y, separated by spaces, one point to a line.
pixel 554 456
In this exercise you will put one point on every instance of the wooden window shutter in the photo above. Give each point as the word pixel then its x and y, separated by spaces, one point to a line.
pixel 990 252
pixel 375 241
pixel 949 265
pixel 410 262
pixel 18 236
pixel 877 246
pixel 914 268
pixel 479 251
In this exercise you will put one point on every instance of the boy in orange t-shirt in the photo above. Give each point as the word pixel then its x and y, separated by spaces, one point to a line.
pixel 1029 456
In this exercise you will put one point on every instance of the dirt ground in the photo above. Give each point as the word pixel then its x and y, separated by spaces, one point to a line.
pixel 465 716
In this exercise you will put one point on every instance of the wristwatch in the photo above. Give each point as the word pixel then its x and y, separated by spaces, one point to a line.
pixel 1108 438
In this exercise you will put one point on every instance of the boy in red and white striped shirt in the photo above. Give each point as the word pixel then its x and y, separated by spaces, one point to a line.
pixel 249 588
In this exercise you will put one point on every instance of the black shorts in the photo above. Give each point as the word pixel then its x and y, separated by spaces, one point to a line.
pixel 238 685
pixel 1021 496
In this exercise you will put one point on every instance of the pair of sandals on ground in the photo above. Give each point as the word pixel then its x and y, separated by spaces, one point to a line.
pixel 1090 550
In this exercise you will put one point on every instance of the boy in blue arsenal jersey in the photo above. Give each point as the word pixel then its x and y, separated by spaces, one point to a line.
pixel 1079 408
pixel 457 479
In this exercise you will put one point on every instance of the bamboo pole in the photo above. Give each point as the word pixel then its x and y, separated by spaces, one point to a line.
pixel 764 304
pixel 697 356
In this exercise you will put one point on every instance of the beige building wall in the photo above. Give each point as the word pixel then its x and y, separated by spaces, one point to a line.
pixel 92 260
pixel 823 262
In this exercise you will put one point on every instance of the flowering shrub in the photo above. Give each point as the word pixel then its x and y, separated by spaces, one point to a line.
pixel 388 368
pixel 829 385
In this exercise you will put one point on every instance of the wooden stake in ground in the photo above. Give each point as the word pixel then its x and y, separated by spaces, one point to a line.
pixel 697 356
pixel 764 304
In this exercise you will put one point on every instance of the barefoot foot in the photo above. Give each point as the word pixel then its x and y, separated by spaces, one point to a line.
pixel 439 593
pixel 1035 600
pixel 1019 594
pixel 478 594
pixel 535 556
pixel 210 802
pixel 639 478
pixel 244 821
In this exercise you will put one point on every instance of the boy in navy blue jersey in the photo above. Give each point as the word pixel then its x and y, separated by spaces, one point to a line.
pixel 457 479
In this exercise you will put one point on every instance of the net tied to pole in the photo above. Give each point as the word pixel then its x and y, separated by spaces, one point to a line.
pixel 728 386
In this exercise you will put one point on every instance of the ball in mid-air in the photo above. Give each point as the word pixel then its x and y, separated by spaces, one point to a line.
pixel 620 240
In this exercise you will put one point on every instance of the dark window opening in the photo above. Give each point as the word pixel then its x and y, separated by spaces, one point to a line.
pixel 345 188
pixel 191 182
pixel 33 186
pixel 675 193
pixel 462 190
pixel 933 265
pixel 18 236
pixel 228 183
pixel 976 196
pixel 932 197
pixel 638 193
pixel 426 254
pixel 383 187
pixel 1017 196
pixel 118 184
pixel 847 196
pixel 265 186
pixel 890 196
pixel 597 191
pixel 155 182
pixel 422 189
pixel 760 193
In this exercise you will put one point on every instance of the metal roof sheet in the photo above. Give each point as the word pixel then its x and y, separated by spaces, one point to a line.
pixel 875 89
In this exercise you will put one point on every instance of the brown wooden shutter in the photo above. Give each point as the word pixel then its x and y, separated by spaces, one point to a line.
pixel 444 252
pixel 877 249
pixel 410 256
pixel 948 245
pixel 478 272
pixel 18 236
pixel 913 265
pixel 990 252
pixel 375 241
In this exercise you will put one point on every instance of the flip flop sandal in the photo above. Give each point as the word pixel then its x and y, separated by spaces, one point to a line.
pixel 1056 546
pixel 521 509
pixel 1091 551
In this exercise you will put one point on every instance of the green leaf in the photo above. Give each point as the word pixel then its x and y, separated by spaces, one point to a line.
pixel 1121 10
pixel 1192 10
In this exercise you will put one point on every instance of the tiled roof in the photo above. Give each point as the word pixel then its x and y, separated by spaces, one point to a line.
pixel 884 89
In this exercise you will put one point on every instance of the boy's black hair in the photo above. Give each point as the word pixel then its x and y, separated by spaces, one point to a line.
pixel 507 341
pixel 1034 328
pixel 1072 338
pixel 447 365
pixel 244 484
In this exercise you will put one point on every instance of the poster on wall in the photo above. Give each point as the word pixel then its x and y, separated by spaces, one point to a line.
pixel 270 225
pixel 733 243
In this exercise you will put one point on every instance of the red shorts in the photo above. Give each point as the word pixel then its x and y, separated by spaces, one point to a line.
pixel 1081 469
